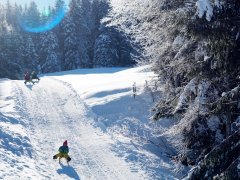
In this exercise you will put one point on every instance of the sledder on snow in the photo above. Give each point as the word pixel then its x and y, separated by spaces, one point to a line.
pixel 31 78
pixel 63 152
pixel 34 76
pixel 27 78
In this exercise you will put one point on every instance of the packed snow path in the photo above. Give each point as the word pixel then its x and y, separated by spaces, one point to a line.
pixel 55 113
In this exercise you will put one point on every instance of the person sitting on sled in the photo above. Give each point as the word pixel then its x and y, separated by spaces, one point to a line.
pixel 27 77
pixel 63 152
pixel 34 75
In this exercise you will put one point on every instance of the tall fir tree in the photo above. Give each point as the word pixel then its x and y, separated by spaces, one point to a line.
pixel 59 29
pixel 71 56
pixel 49 53
pixel 80 12
pixel 32 16
pixel 31 57
pixel 105 51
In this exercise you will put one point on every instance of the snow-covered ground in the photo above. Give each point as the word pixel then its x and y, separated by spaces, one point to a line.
pixel 108 131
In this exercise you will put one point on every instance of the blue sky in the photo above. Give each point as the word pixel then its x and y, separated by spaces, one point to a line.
pixel 41 3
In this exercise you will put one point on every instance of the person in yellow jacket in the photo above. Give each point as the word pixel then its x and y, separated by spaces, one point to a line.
pixel 63 152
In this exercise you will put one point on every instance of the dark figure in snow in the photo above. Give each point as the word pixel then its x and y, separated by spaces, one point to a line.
pixel 27 78
pixel 63 152
pixel 34 75
pixel 134 90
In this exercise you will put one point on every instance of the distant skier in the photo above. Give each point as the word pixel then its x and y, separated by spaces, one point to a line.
pixel 63 152
pixel 34 75
pixel 27 77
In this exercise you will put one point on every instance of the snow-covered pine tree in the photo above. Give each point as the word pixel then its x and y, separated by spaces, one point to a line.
pixel 59 30
pixel 31 57
pixel 198 67
pixel 112 49
pixel 193 46
pixel 32 16
pixel 80 13
pixel 145 23
pixel 10 13
pixel 49 53
pixel 9 41
pixel 105 51
pixel 21 50
pixel 71 55
pixel 99 10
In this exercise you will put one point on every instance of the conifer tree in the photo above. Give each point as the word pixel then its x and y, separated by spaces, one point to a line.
pixel 80 12
pixel 31 57
pixel 49 56
pixel 71 56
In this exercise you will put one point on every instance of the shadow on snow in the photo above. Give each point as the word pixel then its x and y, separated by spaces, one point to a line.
pixel 87 71
pixel 69 171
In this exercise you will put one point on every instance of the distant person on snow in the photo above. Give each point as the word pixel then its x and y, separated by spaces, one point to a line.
pixel 63 152
pixel 34 75
pixel 134 90
pixel 27 77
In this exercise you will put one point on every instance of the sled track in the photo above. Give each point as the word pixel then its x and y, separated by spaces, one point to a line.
pixel 54 112
pixel 92 163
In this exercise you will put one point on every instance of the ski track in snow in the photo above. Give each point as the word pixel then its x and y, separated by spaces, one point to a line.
pixel 55 113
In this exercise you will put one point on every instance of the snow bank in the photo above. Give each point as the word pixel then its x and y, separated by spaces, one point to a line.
pixel 102 85
pixel 15 146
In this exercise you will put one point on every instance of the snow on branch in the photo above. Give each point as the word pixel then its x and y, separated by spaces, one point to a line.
pixel 204 6
pixel 214 162
pixel 189 90
pixel 229 98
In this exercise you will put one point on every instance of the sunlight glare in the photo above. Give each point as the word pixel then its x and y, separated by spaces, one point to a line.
pixel 47 20
pixel 46 12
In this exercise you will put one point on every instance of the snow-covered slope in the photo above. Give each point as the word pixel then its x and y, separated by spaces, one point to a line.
pixel 95 111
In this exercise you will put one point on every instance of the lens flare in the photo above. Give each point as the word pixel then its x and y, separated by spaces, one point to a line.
pixel 51 20
pixel 46 13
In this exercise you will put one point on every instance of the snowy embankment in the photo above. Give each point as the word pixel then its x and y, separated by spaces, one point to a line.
pixel 16 155
pixel 109 133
